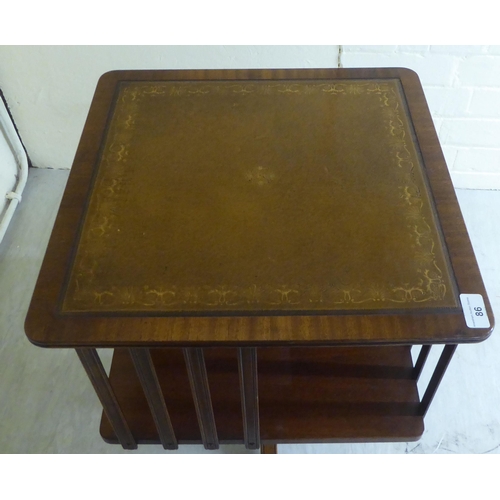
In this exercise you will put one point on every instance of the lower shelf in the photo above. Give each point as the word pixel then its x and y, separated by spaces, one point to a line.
pixel 306 395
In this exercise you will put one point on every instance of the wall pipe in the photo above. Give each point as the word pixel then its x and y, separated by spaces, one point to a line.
pixel 17 147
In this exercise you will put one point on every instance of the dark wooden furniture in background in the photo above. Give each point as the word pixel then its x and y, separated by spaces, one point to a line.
pixel 261 249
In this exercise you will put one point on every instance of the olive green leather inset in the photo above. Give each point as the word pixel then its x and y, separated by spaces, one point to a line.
pixel 259 196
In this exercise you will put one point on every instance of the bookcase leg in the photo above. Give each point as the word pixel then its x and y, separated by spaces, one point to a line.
pixel 266 449
pixel 247 364
pixel 198 380
pixel 152 390
pixel 97 375
pixel 437 376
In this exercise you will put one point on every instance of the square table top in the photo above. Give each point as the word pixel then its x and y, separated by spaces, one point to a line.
pixel 257 206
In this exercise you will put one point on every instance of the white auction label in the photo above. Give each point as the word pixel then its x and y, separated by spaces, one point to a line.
pixel 474 310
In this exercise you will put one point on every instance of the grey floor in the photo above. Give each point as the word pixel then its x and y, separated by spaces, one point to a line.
pixel 47 404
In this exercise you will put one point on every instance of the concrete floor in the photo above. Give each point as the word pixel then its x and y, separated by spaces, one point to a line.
pixel 47 404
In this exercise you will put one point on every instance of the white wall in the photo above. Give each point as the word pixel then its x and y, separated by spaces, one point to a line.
pixel 462 86
pixel 49 89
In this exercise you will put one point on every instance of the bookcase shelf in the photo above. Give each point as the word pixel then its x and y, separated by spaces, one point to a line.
pixel 305 395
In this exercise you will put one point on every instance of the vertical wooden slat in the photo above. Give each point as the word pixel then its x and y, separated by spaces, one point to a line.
pixel 197 373
pixel 152 390
pixel 422 358
pixel 247 363
pixel 97 375
pixel 442 364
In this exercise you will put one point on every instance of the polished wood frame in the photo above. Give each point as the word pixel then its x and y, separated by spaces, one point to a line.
pixel 147 335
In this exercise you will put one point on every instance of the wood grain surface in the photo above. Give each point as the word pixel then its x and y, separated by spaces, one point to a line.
pixel 305 395
pixel 47 325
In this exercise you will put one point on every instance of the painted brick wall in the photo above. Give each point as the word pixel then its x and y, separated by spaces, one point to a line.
pixel 462 86
pixel 49 89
